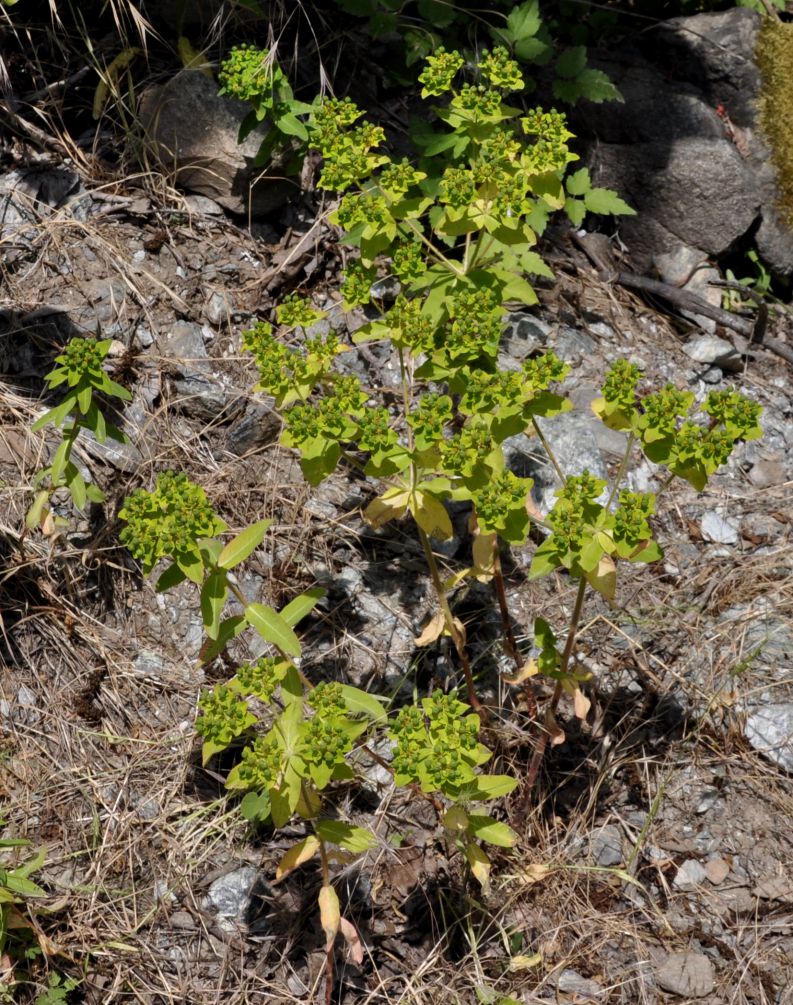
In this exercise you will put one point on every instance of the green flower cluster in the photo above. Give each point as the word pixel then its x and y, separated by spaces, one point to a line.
pixel 500 506
pixel 261 764
pixel 575 509
pixel 408 262
pixel 168 521
pixel 374 433
pixel 619 386
pixel 224 715
pixel 326 742
pixel 437 748
pixel 739 415
pixel 295 311
pixel 440 71
pixel 631 516
pixel 260 678
pixel 500 70
pixel 434 411
pixel 327 699
pixel 248 73
pixel 357 284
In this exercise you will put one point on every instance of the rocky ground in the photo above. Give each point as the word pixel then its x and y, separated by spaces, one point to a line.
pixel 655 855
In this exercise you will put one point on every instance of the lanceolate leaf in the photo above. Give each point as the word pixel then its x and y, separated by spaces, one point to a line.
pixel 354 839
pixel 297 609
pixel 240 547
pixel 213 600
pixel 272 628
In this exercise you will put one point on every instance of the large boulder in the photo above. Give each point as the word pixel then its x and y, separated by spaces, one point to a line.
pixel 193 132
pixel 684 149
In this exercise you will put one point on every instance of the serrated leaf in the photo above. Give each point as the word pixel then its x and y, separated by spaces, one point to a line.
pixel 299 853
pixel 579 182
pixel 301 606
pixel 246 542
pixel 595 86
pixel 352 839
pixel 492 831
pixel 272 628
pixel 603 200
pixel 572 61
pixel 329 914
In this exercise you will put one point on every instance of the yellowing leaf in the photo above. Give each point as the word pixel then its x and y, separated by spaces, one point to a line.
pixel 431 631
pixel 555 731
pixel 353 940
pixel 484 553
pixel 480 865
pixel 518 963
pixel 582 704
pixel 110 76
pixel 192 59
pixel 534 873
pixel 455 819
pixel 329 914
pixel 389 506
pixel 299 853
pixel 430 514
pixel 604 578
pixel 529 669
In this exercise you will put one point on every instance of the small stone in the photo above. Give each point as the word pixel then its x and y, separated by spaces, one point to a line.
pixel 686 975
pixel 760 529
pixel 607 846
pixel 690 875
pixel 776 888
pixel 144 337
pixel 229 897
pixel 713 375
pixel 769 730
pixel 385 289
pixel 572 983
pixel 717 870
pixel 218 309
pixel 713 351
pixel 139 256
pixel 767 473
pixel 718 529
pixel 202 205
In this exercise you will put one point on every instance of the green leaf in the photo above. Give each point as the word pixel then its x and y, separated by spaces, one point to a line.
pixel 524 22
pixel 356 701
pixel 255 807
pixel 35 514
pixel 191 565
pixel 172 576
pixel 572 61
pixel 229 629
pixel 604 200
pixel 545 559
pixel 579 182
pixel 76 486
pixel 576 210
pixel 60 460
pixel 56 415
pixel 272 628
pixel 595 86
pixel 292 126
pixel 213 600
pixel 485 828
pixel 353 839
pixel 240 547
pixel 490 787
pixel 301 606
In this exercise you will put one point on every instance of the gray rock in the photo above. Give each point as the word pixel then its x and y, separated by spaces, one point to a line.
pixel 258 426
pixel 696 181
pixel 523 335
pixel 184 343
pixel 193 131
pixel 123 456
pixel 219 308
pixel 719 529
pixel 572 983
pixel 571 437
pixel 686 975
pixel 200 396
pixel 230 896
pixel 690 875
pixel 607 846
pixel 769 729
pixel 570 343
pixel 766 473
pixel 713 351
pixel 202 205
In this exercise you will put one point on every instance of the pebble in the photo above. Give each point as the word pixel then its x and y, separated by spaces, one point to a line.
pixel 769 729
pixel 712 350
pixel 686 974
pixel 718 529
pixel 229 896
pixel 607 846
pixel 766 473
pixel 690 875
pixel 219 307
pixel 717 870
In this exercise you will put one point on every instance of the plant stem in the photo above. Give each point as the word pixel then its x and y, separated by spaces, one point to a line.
pixel 622 469
pixel 509 636
pixel 548 451
pixel 448 620
pixel 323 857
pixel 433 250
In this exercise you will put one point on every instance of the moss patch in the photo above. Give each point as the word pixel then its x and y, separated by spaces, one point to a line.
pixel 774 58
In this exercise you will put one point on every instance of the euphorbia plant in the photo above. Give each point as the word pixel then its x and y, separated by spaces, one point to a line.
pixel 457 229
